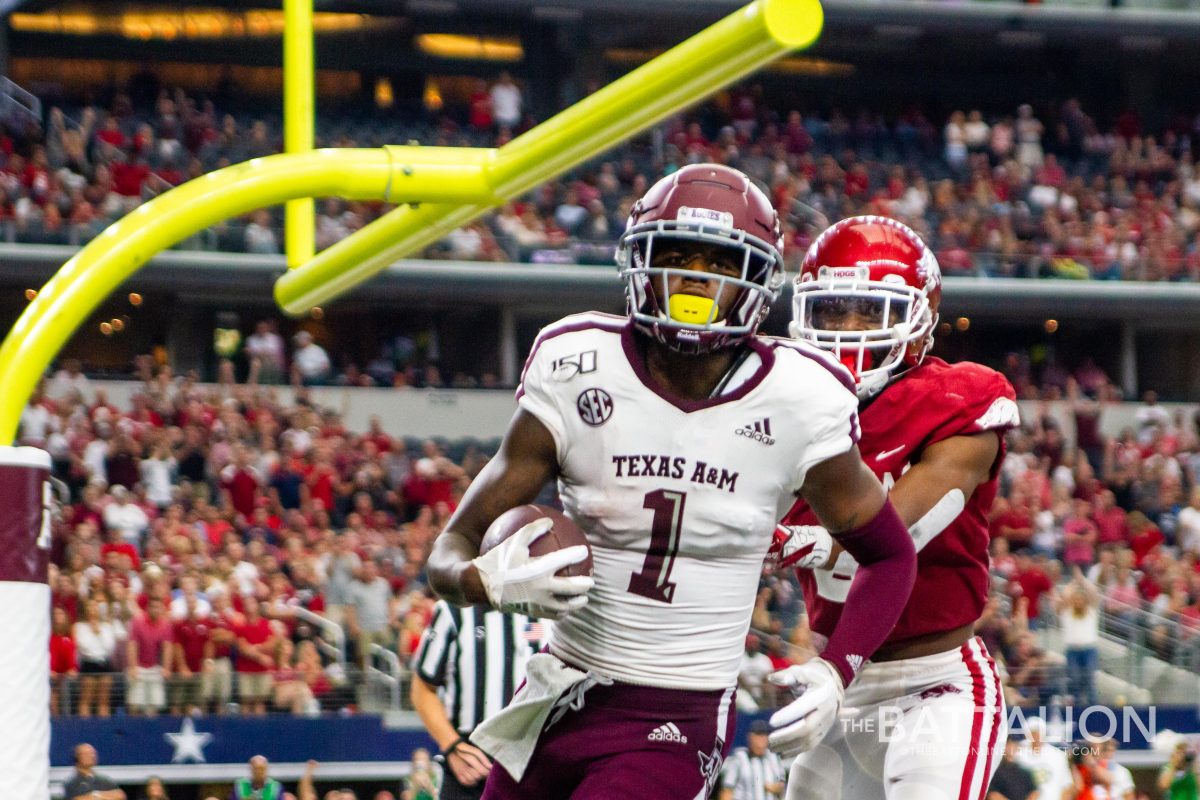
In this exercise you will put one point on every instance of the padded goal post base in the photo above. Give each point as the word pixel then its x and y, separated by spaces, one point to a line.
pixel 25 529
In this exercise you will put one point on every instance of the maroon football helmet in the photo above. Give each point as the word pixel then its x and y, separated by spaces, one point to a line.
pixel 710 204
pixel 879 270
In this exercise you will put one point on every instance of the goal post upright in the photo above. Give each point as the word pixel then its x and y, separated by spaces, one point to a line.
pixel 299 122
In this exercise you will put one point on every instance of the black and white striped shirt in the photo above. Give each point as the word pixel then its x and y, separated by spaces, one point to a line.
pixel 476 657
pixel 748 776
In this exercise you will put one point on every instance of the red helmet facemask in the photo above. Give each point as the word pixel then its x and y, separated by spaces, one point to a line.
pixel 714 205
pixel 868 292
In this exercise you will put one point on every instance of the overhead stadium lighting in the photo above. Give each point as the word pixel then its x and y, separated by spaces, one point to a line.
pixel 167 23
pixel 478 48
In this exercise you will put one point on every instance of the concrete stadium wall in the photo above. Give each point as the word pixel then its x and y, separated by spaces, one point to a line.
pixel 484 414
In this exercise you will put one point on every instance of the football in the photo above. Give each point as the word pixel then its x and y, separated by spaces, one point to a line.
pixel 563 534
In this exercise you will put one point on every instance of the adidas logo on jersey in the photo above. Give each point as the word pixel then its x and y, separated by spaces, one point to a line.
pixel 759 431
pixel 667 733
pixel 855 662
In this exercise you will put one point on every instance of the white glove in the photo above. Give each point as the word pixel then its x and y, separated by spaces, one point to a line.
pixel 517 582
pixel 803 723
pixel 800 547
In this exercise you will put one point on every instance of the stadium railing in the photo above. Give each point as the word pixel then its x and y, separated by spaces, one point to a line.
pixel 336 648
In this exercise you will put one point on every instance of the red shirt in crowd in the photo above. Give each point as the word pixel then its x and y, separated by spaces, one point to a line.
pixel 1034 584
pixel 243 490
pixel 149 638
pixel 1016 525
pixel 62 654
pixel 256 632
pixel 192 636
pixel 230 624
pixel 1144 542
pixel 1111 526
pixel 67 602
pixel 320 484
pixel 128 177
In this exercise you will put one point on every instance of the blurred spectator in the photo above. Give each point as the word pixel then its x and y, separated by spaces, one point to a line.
pixel 1120 779
pixel 96 640
pixel 424 781
pixel 157 472
pixel 1079 536
pixel 480 114
pixel 310 362
pixel 193 655
pixel 37 421
pixel 260 236
pixel 1152 419
pixel 259 785
pixel 1029 138
pixel 1029 583
pixel 506 102
pixel 216 679
pixel 64 665
pixel 67 380
pixel 85 783
pixel 372 612
pixel 150 655
pixel 256 644
pixel 1177 778
pixel 1044 762
pixel 1187 532
pixel 752 676
pixel 126 518
pixel 266 353
pixel 154 789
pixel 1079 615
pixel 1012 781
pixel 1027 670
pixel 290 692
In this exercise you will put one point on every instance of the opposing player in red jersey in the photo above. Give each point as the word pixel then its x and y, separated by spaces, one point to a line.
pixel 927 713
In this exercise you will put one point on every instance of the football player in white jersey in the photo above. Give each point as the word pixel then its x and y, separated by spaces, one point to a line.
pixel 678 438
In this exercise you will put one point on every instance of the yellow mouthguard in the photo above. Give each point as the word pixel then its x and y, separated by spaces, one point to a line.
pixel 692 309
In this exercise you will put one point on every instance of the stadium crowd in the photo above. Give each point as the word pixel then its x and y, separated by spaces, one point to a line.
pixel 1009 195
pixel 207 533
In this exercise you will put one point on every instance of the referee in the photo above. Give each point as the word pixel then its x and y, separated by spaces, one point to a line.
pixel 469 663
pixel 753 772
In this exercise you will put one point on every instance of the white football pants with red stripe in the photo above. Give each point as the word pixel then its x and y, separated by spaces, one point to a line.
pixel 929 728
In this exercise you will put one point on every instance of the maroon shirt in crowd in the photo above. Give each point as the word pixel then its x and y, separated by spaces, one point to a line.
pixel 192 636
pixel 150 637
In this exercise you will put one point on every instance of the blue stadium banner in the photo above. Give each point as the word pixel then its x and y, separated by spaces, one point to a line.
pixel 365 739
pixel 168 740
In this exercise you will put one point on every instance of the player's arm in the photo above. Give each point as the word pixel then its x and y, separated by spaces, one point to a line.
pixel 506 578
pixel 851 503
pixel 928 498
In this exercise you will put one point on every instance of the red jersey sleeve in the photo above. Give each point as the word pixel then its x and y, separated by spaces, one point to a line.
pixel 975 399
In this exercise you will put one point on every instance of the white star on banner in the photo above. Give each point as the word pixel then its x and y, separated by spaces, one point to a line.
pixel 188 743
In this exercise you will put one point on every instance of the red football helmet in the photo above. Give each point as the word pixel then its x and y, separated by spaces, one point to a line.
pixel 868 291
pixel 715 205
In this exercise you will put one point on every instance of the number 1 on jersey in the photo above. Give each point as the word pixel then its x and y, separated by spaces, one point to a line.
pixel 654 579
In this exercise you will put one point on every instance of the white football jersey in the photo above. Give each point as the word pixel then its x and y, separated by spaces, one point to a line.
pixel 678 498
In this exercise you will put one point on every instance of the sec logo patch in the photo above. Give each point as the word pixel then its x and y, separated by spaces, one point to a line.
pixel 595 406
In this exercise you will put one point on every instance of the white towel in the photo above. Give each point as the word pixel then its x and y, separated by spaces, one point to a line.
pixel 550 686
